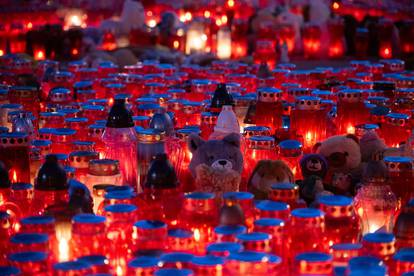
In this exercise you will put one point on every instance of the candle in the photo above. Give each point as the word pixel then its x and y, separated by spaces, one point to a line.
pixel 313 263
pixel 224 43
pixel 145 265
pixel 196 38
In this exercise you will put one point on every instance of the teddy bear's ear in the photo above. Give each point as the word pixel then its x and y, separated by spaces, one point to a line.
pixel 194 142
pixel 353 137
pixel 233 139
pixel 316 147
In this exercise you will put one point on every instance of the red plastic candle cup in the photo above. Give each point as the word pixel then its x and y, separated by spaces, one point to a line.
pixel 71 268
pixel 29 242
pixel 208 265
pixel 27 96
pixel 401 176
pixel 199 89
pixel 309 222
pixel 95 132
pixel 393 65
pixel 258 148
pixel 88 235
pixel 396 129
pixel 269 108
pixel 250 131
pixel 178 260
pixel 30 262
pixel 83 145
pixel 339 211
pixel 250 263
pixel 272 209
pixel 380 245
pixel 62 139
pixel 193 115
pixel 343 252
pixel 145 265
pixel 223 249
pixel 60 96
pixel 228 233
pixel 313 263
pixel 351 110
pixel 22 197
pixel 286 192
pixel 79 124
pixel 362 129
pixel 255 241
pixel 51 119
pixel 403 261
pixel 180 240
pixel 98 263
pixel 149 235
pixel 275 228
pixel 290 151
pixel 208 122
pixel 80 161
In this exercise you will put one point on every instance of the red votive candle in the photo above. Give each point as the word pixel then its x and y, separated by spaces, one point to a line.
pixel 313 263
pixel 272 209
pixel 180 240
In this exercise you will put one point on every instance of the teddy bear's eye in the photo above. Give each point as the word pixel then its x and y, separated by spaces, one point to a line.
pixel 346 153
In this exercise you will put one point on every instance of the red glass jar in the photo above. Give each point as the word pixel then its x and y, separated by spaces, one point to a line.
pixel 351 110
pixel 59 96
pixel 396 129
pixel 401 176
pixel 79 124
pixel 339 211
pixel 93 112
pixel 208 122
pixel 51 119
pixel 27 96
pixel 207 265
pixel 313 263
pixel 312 40
pixel 95 132
pixel 269 108
pixel 403 261
pixel 272 209
pixel 258 148
pixel 276 229
pixel 290 151
pixel 7 229
pixel 380 245
pixel 180 240
pixel 141 266
pixel 23 242
pixel 21 196
pixel 149 235
pixel 287 193
pixel 62 139
pixel 30 262
pixel 88 235
pixel 343 252
pixel 252 263
pixel 80 161
pixel 71 268
pixel 336 48
pixel 250 131
pixel 228 233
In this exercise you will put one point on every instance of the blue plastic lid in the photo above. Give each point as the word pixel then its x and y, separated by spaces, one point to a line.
pixel 200 195
pixel 143 262
pixel 150 224
pixel 335 200
pixel 118 195
pixel 269 222
pixel 379 237
pixel 224 247
pixel 50 114
pixel 94 259
pixel 123 188
pixel 64 131
pixel 207 260
pixel 261 138
pixel 15 135
pixel 201 81
pixel 398 116
pixel 88 218
pixel 140 118
pixel 83 153
pixel 253 236
pixel 82 84
pixel 21 186
pixel 37 220
pixel 314 257
pixel 364 261
pixel 321 92
pixel 176 257
pixel 68 111
pixel 83 143
pixel 347 246
pixel 28 256
pixel 351 91
pixel 290 144
pixel 249 256
pixel 115 85
pixel 76 120
pixel 93 107
pixel 238 195
pixel 59 156
pixel 308 98
pixel 148 106
pixel 269 90
pixel 405 255
pixel 120 208
pixel 41 143
pixel 189 130
pixel 29 238
pixel 122 96
pixel 256 128
pixel 270 205
pixel 368 271
pixel 274 259
pixel 9 271
pixel 46 130
pixel 284 186
pixel 307 213
pixel 10 106
pixel 230 229
pixel 180 233
pixel 71 265
pixel 398 159
pixel 173 272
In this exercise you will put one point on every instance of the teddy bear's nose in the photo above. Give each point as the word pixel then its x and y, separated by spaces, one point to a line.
pixel 222 162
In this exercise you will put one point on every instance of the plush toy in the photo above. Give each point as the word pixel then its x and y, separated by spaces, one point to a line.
pixel 216 164
pixel 372 146
pixel 266 173
pixel 343 154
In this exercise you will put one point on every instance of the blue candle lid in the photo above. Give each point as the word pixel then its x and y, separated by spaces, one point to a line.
pixel 148 106
pixel 93 107
pixel 29 238
pixel 200 195
pixel 284 186
pixel 335 200
pixel 269 90
pixel 64 131
pixel 398 116
pixel 176 257
pixel 270 205
pixel 120 208
pixel 11 106
pixel 50 114
pixel 405 255
pixel 71 265
pixel 150 224
pixel 398 159
pixel 307 213
pixel 253 236
pixel 347 246
pixel 88 218
pixel 41 143
pixel 173 272
pixel 115 85
pixel 201 82
pixel 94 260
pixel 224 247
pixel 238 195
pixel 76 120
pixel 28 256
pixel 261 138
pixel 82 84
pixel 314 257
pixel 290 144
pixel 364 261
pixel 118 195
pixel 256 128
pixel 379 237
pixel 180 233
pixel 124 188
pixel 249 256
pixel 269 222
pixel 230 229
pixel 143 262
pixel 9 271
pixel 207 261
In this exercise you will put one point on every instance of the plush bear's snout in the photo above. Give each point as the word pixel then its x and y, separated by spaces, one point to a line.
pixel 337 159
pixel 222 164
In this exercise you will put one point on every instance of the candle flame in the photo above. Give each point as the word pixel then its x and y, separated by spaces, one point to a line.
pixel 176 44
pixel 119 270
pixel 14 176
pixel 350 129
pixel 152 23
pixel 63 249
pixel 197 235
pixel 29 25
pixel 308 136
pixel 111 101
pixel 230 3
pixel 40 55
pixel 335 5
pixel 188 16
pixel 63 235
pixel 1 53
pixel 207 14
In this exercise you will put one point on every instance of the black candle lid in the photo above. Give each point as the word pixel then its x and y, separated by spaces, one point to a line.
pixel 51 176
pixel 161 174
pixel 119 116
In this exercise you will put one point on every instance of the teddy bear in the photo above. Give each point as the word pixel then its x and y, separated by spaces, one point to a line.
pixel 216 165
pixel 265 174
pixel 343 154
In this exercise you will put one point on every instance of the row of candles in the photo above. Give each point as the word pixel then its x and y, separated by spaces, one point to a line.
pixel 72 130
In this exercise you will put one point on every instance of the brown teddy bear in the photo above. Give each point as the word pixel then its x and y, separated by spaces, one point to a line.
pixel 265 174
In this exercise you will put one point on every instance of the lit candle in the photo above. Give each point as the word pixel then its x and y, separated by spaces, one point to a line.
pixel 63 235
pixel 224 43
pixel 196 39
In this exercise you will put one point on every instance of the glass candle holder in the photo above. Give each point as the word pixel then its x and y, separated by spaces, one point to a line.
pixel 250 131
pixel 103 171
pixel 208 265
pixel 93 112
pixel 228 233
pixel 208 122
pixel 149 235
pixel 351 110
pixel 71 268
pixel 140 266
pixel 62 139
pixel 312 40
pixel 275 228
pixel 269 108
pixel 27 96
pixel 250 263
pixel 272 209
pixel 339 211
pixel 30 262
pixel 79 124
pixel 255 241
pixel 287 193
pixel 95 132
pixel 80 161
pixel 22 196
pixel 396 129
pixel 403 261
pixel 180 240
pixel 258 148
pixel 177 260
pixel 401 177
pixel 313 263
pixel 23 242
pixel 343 252
pixel 380 245
pixel 290 151
pixel 51 119
pixel 88 235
